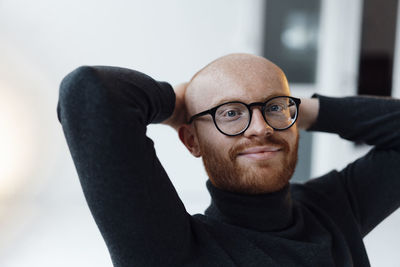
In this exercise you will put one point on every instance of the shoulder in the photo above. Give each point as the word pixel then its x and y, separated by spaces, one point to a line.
pixel 325 194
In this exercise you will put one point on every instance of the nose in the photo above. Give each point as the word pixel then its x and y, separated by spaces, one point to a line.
pixel 258 126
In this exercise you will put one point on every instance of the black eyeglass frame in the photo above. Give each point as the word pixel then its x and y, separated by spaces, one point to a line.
pixel 263 105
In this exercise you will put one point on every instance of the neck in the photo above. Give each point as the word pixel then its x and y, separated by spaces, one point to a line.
pixel 261 212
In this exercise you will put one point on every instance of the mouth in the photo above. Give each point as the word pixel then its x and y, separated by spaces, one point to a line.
pixel 260 152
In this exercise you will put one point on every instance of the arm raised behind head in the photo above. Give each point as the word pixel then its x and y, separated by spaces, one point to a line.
pixel 104 112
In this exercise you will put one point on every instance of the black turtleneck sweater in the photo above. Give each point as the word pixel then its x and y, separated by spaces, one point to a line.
pixel 104 112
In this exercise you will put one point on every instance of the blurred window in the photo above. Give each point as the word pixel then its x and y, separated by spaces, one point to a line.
pixel 377 47
pixel 291 37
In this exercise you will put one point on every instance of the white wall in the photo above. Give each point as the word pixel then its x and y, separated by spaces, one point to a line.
pixel 340 34
pixel 44 217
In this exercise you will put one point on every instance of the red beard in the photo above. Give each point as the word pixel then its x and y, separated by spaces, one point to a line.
pixel 226 173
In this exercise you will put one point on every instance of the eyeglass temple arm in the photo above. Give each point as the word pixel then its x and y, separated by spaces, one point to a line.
pixel 199 115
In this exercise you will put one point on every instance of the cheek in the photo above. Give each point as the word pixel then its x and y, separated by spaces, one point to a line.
pixel 212 140
pixel 292 136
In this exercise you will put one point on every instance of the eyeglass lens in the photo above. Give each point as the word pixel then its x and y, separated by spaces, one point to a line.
pixel 233 118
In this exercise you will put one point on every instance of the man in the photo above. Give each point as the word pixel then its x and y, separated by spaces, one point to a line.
pixel 238 115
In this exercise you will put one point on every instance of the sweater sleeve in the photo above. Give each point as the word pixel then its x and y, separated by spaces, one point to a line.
pixel 371 184
pixel 104 112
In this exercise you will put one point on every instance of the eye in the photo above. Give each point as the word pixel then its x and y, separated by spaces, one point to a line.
pixel 275 108
pixel 228 115
pixel 231 113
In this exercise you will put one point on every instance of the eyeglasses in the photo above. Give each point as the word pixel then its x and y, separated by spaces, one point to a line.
pixel 233 118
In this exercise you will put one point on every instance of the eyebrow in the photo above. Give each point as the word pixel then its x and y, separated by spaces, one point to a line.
pixel 226 100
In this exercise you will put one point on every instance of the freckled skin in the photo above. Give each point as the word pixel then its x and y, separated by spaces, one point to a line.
pixel 247 78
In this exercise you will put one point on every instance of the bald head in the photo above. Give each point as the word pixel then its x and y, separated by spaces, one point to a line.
pixel 234 77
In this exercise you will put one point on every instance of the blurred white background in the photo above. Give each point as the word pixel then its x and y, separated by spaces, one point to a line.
pixel 44 219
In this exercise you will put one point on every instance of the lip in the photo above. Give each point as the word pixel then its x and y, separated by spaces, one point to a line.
pixel 260 152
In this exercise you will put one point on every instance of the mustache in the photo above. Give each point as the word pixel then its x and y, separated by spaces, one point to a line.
pixel 267 141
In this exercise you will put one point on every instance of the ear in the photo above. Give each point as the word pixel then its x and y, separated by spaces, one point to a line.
pixel 188 137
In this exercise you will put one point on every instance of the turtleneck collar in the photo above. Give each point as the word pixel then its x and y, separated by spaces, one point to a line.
pixel 261 212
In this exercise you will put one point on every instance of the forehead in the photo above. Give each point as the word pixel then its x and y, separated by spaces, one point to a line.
pixel 249 86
